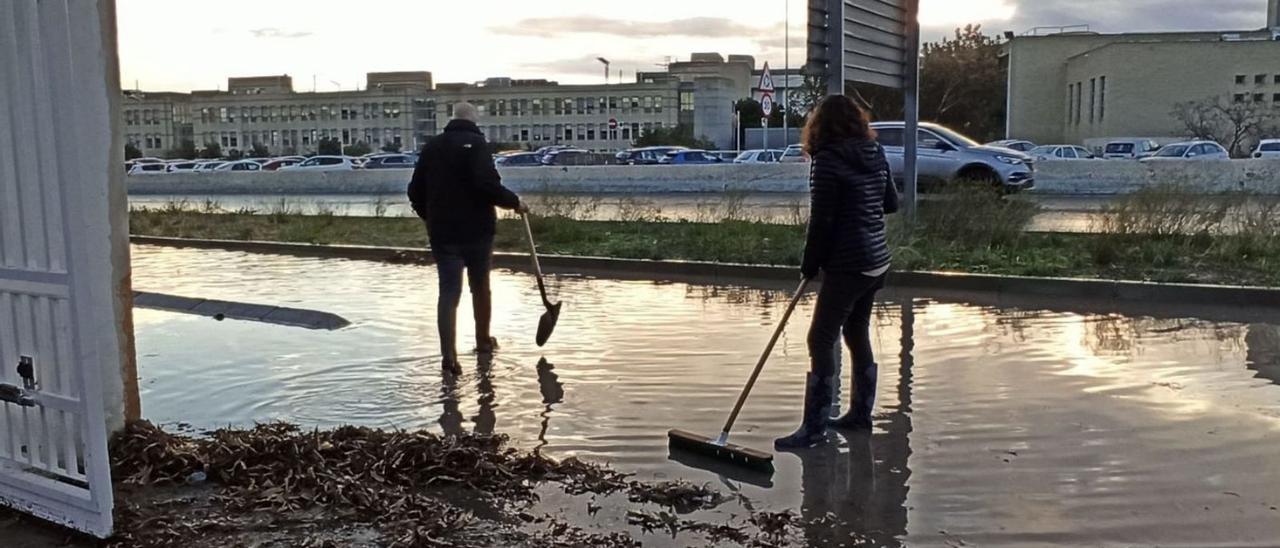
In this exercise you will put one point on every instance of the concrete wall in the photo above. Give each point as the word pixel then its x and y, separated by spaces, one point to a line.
pixel 1053 177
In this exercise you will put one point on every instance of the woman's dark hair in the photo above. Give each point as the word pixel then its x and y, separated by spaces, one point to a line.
pixel 838 118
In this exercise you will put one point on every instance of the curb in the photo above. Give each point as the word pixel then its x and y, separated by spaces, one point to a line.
pixel 1093 289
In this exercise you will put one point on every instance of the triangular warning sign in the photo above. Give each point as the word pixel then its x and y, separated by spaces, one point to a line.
pixel 766 80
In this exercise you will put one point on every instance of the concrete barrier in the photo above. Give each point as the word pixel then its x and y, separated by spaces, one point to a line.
pixel 1053 177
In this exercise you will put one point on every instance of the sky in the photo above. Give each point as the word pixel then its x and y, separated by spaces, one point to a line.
pixel 180 45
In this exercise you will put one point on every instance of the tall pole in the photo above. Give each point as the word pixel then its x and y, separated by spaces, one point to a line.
pixel 835 47
pixel 786 74
pixel 911 85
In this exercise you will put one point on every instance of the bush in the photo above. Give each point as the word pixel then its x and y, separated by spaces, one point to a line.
pixel 976 216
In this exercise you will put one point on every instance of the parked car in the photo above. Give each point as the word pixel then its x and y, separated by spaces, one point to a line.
pixel 1268 148
pixel 724 155
pixel 207 166
pixel 148 169
pixel 282 162
pixel 1190 150
pixel 689 157
pixel 945 156
pixel 391 161
pixel 644 156
pixel 181 167
pixel 793 154
pixel 567 157
pixel 758 157
pixel 1130 149
pixel 239 165
pixel 519 159
pixel 1013 144
pixel 544 151
pixel 323 163
pixel 1061 152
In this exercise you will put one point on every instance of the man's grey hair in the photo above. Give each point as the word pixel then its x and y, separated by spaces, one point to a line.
pixel 466 111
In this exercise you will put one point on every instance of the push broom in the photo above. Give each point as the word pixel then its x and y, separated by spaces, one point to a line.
pixel 719 447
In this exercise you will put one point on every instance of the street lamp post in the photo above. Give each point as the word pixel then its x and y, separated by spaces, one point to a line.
pixel 608 131
pixel 786 75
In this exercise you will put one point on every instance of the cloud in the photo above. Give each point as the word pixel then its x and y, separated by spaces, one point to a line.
pixel 1141 15
pixel 273 32
pixel 701 27
pixel 587 65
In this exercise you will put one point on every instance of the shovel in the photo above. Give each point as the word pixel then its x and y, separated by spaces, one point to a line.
pixel 547 323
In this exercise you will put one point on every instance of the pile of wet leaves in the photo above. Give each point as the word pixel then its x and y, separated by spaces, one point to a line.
pixel 278 485
pixel 410 488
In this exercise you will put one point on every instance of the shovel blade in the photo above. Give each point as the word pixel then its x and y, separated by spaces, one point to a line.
pixel 547 323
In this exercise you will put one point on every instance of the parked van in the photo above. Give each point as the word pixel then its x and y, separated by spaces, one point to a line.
pixel 1130 149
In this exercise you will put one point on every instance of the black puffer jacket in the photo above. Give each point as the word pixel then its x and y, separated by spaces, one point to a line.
pixel 455 186
pixel 851 192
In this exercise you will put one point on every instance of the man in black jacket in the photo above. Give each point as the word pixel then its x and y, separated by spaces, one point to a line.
pixel 455 189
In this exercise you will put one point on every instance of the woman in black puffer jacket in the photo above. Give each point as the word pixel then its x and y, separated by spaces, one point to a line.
pixel 851 191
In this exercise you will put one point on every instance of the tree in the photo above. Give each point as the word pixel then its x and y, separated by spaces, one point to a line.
pixel 329 147
pixel 212 151
pixel 962 85
pixel 680 135
pixel 259 150
pixel 392 147
pixel 131 152
pixel 186 149
pixel 1231 124
pixel 357 149
pixel 235 154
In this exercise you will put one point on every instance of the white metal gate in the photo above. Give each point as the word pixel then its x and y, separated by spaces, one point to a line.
pixel 60 318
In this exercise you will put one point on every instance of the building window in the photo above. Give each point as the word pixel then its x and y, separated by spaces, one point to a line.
pixel 591 132
pixel 1240 79
pixel 657 104
pixel 1259 97
pixel 1277 81
pixel 1093 98
pixel 1102 98
pixel 568 133
pixel 1260 79
pixel 1275 100
pixel 1238 98
pixel 1079 101
pixel 686 101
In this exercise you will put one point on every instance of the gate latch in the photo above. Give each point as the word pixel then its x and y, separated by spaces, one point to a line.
pixel 25 395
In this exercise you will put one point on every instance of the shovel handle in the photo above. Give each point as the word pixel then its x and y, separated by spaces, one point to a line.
pixel 777 333
pixel 533 252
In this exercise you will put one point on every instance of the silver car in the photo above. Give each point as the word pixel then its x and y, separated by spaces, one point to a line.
pixel 946 156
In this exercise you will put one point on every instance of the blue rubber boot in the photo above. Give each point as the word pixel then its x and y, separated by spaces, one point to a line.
pixel 817 411
pixel 864 400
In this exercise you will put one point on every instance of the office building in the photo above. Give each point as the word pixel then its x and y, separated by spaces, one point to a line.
pixel 156 123
pixel 1087 88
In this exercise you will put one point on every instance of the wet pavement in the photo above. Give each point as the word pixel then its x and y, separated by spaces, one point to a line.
pixel 998 424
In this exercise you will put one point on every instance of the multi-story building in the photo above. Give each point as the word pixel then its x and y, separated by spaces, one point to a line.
pixel 534 113
pixel 156 123
pixel 402 109
pixel 394 109
pixel 1082 87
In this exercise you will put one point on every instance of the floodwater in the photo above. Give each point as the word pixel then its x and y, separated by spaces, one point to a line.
pixel 997 425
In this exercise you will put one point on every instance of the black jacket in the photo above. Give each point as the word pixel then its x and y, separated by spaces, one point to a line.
pixel 455 186
pixel 851 191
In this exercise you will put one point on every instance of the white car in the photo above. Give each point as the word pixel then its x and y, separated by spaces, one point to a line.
pixel 1061 152
pixel 758 156
pixel 205 167
pixel 182 167
pixel 1014 144
pixel 148 169
pixel 1190 150
pixel 323 163
pixel 794 154
pixel 1130 149
pixel 241 165
pixel 1268 148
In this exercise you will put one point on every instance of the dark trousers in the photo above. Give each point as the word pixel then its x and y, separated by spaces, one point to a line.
pixel 451 260
pixel 844 305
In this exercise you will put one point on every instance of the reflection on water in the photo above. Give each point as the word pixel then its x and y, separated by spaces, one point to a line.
pixel 995 425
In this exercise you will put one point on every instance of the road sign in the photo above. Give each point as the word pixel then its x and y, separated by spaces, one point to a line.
pixel 613 123
pixel 766 104
pixel 875 42
pixel 766 81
